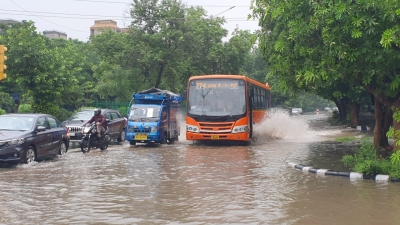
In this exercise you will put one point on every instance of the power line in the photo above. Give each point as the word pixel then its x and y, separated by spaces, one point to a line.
pixel 55 13
pixel 91 17
pixel 45 19
pixel 114 2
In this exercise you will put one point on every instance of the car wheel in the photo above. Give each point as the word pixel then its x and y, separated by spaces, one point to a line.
pixel 30 155
pixel 121 136
pixel 63 148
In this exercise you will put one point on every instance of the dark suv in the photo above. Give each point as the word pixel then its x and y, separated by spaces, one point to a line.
pixel 116 123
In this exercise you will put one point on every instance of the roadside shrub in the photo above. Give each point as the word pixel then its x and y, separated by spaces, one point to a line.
pixel 25 108
pixel 123 110
pixel 366 161
pixel 63 114
pixel 335 119
pixel 2 111
pixel 345 139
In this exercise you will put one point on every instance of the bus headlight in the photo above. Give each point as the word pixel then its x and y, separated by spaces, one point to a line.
pixel 240 129
pixel 194 129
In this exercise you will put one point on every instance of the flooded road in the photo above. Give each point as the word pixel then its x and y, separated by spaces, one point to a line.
pixel 191 183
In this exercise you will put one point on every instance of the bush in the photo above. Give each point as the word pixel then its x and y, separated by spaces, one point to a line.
pixel 63 114
pixel 366 161
pixel 2 111
pixel 25 108
pixel 123 110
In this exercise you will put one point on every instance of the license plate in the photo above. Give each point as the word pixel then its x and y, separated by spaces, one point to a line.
pixel 214 137
pixel 141 137
pixel 71 134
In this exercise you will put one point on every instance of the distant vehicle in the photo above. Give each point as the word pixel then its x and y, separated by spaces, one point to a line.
pixel 327 109
pixel 153 117
pixel 30 137
pixel 116 124
pixel 335 109
pixel 297 111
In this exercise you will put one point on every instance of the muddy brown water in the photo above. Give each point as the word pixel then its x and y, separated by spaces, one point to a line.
pixel 192 183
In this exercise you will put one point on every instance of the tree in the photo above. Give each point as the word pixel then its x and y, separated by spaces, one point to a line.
pixel 320 43
pixel 34 66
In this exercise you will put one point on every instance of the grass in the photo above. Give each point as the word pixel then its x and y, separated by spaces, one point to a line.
pixel 346 139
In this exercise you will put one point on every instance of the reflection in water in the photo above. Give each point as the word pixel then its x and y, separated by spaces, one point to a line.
pixel 190 183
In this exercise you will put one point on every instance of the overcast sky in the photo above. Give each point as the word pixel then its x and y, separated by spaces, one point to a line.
pixel 75 17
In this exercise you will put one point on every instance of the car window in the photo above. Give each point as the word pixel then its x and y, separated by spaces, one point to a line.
pixel 20 123
pixel 42 122
pixel 108 116
pixel 115 115
pixel 53 122
pixel 82 115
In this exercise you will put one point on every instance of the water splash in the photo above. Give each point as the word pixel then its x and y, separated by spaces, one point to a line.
pixel 280 125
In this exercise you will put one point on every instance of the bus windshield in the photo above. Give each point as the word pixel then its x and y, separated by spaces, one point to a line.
pixel 141 113
pixel 216 97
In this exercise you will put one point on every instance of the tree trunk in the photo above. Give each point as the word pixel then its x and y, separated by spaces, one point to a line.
pixel 354 114
pixel 388 119
pixel 379 121
pixel 342 110
pixel 160 72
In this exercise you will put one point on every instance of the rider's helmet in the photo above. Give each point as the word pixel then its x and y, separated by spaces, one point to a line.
pixel 97 112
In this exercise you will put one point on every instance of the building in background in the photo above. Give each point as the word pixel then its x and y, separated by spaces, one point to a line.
pixel 100 25
pixel 55 34
pixel 7 22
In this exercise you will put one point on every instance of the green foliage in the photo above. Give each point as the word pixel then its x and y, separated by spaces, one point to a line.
pixel 63 114
pixel 6 102
pixel 2 112
pixel 123 110
pixel 395 158
pixel 366 161
pixel 345 139
pixel 25 108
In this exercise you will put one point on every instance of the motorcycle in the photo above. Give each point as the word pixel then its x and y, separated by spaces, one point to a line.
pixel 92 140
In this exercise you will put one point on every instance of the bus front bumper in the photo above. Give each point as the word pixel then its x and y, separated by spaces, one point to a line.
pixel 216 137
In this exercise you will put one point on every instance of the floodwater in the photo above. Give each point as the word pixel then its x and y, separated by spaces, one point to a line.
pixel 192 183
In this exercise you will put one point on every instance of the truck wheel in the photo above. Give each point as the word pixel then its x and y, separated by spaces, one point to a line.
pixel 176 136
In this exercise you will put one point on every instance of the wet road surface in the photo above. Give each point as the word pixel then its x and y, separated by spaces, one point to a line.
pixel 192 183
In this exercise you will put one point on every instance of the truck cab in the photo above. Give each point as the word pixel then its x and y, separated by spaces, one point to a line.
pixel 152 117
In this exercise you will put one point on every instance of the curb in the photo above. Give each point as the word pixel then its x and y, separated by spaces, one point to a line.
pixel 351 175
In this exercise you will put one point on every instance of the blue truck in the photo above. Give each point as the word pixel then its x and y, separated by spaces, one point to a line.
pixel 153 117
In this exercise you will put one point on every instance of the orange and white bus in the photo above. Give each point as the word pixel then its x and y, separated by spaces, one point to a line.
pixel 225 107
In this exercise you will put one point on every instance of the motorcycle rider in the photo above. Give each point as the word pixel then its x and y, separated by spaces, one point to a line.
pixel 100 122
